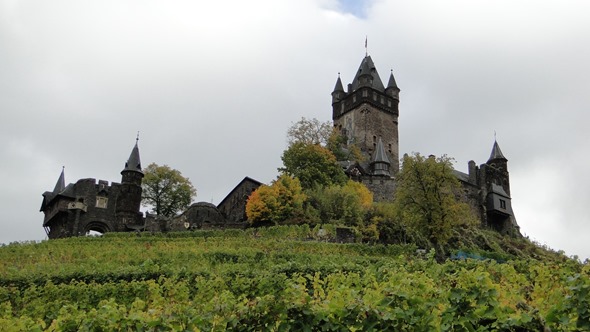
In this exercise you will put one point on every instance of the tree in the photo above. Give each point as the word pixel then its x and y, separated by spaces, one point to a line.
pixel 313 131
pixel 428 198
pixel 166 190
pixel 309 131
pixel 345 204
pixel 313 165
pixel 279 202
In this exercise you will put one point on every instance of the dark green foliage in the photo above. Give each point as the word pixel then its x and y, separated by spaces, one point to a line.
pixel 428 198
pixel 166 190
pixel 313 165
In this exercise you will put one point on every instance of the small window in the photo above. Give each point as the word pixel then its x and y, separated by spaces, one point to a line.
pixel 365 93
pixel 502 204
pixel 101 202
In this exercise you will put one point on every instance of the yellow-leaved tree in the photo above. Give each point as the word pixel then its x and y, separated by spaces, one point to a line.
pixel 282 201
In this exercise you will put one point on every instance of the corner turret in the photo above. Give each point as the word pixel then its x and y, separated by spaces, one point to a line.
pixel 129 201
pixel 392 88
pixel 132 172
pixel 380 164
pixel 338 92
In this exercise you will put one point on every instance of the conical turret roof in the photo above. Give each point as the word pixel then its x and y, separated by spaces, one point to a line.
pixel 134 162
pixel 60 185
pixel 380 155
pixel 496 153
pixel 392 83
pixel 367 67
pixel 338 86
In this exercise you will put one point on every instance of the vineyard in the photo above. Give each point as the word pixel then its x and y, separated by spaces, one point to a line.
pixel 280 278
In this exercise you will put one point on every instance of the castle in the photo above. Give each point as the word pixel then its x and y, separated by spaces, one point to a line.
pixel 366 113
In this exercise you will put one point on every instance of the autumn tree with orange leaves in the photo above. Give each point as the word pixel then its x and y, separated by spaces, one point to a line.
pixel 280 202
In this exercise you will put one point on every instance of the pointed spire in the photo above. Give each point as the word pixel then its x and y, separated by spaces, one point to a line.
pixel 392 83
pixel 367 68
pixel 496 153
pixel 134 163
pixel 338 86
pixel 380 155
pixel 380 163
pixel 61 182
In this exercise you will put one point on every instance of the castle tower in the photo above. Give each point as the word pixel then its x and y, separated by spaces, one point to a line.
pixel 367 111
pixel 129 201
pixel 496 185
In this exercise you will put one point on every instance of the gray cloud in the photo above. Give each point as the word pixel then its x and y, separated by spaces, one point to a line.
pixel 213 88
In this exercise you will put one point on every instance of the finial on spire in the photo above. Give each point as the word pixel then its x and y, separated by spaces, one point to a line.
pixel 495 135
pixel 366 49
pixel 137 137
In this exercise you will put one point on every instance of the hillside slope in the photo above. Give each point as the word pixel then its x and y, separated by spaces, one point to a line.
pixel 278 279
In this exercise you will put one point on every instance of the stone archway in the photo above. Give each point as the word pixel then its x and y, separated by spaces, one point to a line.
pixel 96 228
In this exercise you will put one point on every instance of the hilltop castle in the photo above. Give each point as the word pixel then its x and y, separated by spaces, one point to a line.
pixel 366 113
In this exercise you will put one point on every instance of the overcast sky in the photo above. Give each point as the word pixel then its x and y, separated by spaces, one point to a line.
pixel 212 86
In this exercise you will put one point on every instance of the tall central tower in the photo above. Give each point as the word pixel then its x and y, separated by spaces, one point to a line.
pixel 368 112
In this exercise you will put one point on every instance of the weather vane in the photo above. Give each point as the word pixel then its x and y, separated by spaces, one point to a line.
pixel 366 49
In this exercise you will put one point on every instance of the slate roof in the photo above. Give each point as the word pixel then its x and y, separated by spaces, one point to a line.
pixel 133 163
pixel 392 83
pixel 61 183
pixel 368 67
pixel 461 176
pixel 497 189
pixel 245 179
pixel 496 153
pixel 338 86
pixel 380 155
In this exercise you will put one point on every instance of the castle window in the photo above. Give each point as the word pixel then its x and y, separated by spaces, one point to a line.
pixel 101 202
pixel 365 93
pixel 389 103
pixel 389 147
pixel 382 100
pixel 354 99
pixel 502 204
pixel 374 96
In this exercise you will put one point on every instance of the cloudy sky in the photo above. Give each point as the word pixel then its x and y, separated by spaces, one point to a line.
pixel 213 86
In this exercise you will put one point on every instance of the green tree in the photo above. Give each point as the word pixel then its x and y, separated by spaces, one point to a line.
pixel 313 165
pixel 166 190
pixel 429 198
pixel 281 201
